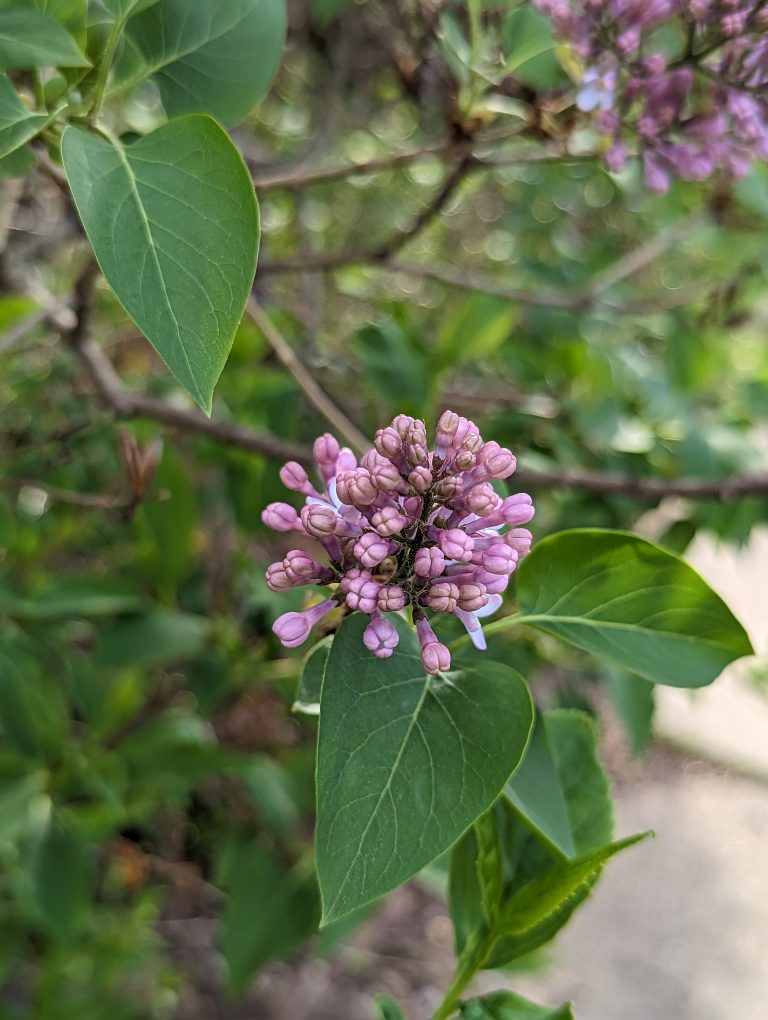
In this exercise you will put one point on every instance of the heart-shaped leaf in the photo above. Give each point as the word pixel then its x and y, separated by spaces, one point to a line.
pixel 219 58
pixel 406 762
pixel 174 224
pixel 623 598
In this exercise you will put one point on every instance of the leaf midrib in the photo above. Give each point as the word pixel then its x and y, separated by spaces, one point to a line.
pixel 584 621
pixel 134 187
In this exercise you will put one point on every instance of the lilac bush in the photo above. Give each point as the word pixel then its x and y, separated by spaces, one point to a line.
pixel 406 527
pixel 687 80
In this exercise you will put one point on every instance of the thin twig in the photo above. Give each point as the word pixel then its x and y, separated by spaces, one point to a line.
pixel 312 390
pixel 89 500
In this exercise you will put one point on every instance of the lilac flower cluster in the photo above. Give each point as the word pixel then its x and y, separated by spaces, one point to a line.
pixel 404 527
pixel 703 109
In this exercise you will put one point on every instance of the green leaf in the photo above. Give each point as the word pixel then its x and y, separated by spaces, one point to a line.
pixel 268 913
pixel 18 164
pixel 151 640
pixel 215 58
pixel 174 224
pixel 633 699
pixel 508 1006
pixel 167 526
pixel 29 38
pixel 479 326
pixel 69 13
pixel 123 9
pixel 311 679
pixel 537 910
pixel 621 597
pixel 387 1009
pixel 561 791
pixel 406 762
pixel 396 367
pixel 61 872
pixel 17 124
pixel 71 596
pixel 537 795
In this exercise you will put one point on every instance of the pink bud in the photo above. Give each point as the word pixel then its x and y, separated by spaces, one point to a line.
pixel 497 460
pixel 326 450
pixel 388 444
pixel 281 517
pixel 293 476
pixel 380 637
pixel 472 597
pixel 446 430
pixel 497 558
pixel 421 479
pixel 277 578
pixel 450 486
pixel 319 521
pixel 434 655
pixel 443 597
pixel 300 567
pixel 389 521
pixel 371 549
pixel 356 488
pixel 347 460
pixel 464 460
pixel 415 444
pixel 401 424
pixel 481 499
pixel 362 593
pixel 391 598
pixel 517 509
pixel 520 540
pixel 429 562
pixel 293 629
pixel 385 476
pixel 456 544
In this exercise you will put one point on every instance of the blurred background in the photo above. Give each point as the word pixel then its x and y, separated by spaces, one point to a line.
pixel 156 789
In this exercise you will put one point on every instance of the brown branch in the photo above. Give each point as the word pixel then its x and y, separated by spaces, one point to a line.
pixel 305 380
pixel 724 489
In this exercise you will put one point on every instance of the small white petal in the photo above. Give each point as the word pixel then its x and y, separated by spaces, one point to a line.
pixel 492 606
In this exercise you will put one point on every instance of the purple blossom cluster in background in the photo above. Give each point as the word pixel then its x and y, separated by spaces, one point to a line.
pixel 688 79
pixel 407 526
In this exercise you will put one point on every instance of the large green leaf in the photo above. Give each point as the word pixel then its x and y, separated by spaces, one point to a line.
pixel 61 875
pixel 406 762
pixel 508 1006
pixel 623 598
pixel 127 8
pixel 174 224
pixel 17 123
pixel 219 58
pixel 29 38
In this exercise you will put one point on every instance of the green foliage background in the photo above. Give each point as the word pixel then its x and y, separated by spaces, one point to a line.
pixel 150 765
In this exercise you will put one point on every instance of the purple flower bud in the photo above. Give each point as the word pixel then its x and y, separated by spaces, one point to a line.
pixel 319 521
pixel 380 637
pixel 292 629
pixel 347 460
pixel 362 593
pixel 388 444
pixel 277 579
pixel 392 598
pixel 300 567
pixel 496 460
pixel 434 655
pixel 385 475
pixel 456 544
pixel 371 549
pixel 429 562
pixel 326 451
pixel 443 597
pixel 481 499
pixel 293 476
pixel 520 540
pixel 281 517
pixel 402 424
pixel 450 486
pixel 356 488
pixel 389 521
pixel 464 460
pixel 415 444
pixel 472 597
pixel 421 479
pixel 412 506
pixel 447 425
pixel 497 558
